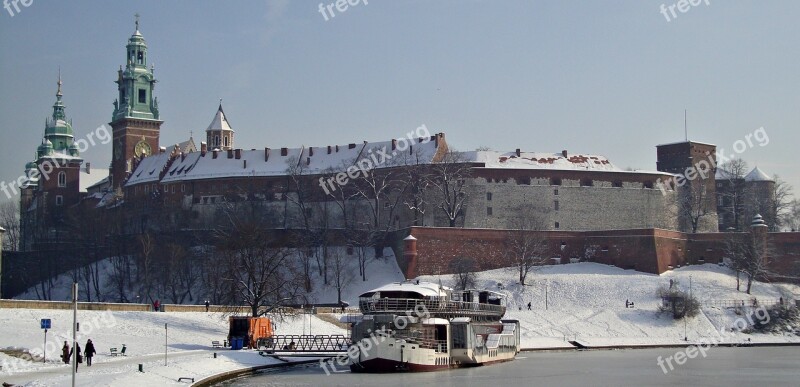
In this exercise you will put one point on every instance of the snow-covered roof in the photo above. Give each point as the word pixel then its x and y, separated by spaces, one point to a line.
pixel 684 142
pixel 315 160
pixel 539 160
pixel 425 289
pixel 220 122
pixel 96 176
pixel 149 169
pixel 757 175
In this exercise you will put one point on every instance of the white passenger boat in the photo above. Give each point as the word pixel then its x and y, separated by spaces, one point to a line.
pixel 422 326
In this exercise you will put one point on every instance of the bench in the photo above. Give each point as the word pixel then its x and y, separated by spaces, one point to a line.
pixel 115 352
pixel 216 344
pixel 185 378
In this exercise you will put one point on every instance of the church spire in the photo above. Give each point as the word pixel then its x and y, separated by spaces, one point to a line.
pixel 58 107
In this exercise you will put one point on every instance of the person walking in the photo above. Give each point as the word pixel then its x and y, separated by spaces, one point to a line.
pixel 156 305
pixel 80 357
pixel 65 353
pixel 208 304
pixel 529 306
pixel 89 352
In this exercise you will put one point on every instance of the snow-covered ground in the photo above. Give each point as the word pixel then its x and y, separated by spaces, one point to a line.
pixel 585 303
pixel 188 342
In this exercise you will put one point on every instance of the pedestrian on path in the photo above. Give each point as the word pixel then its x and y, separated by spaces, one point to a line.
pixel 65 353
pixel 529 306
pixel 89 352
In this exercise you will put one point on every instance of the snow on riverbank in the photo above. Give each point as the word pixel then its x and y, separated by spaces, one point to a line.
pixel 586 302
pixel 189 340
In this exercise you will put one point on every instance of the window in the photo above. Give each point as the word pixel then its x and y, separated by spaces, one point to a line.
pixel 489 211
pixel 216 141
pixel 555 181
pixel 173 188
pixel 555 203
pixel 142 96
pixel 648 184
pixel 62 179
pixel 586 183
pixel 140 57
pixel 183 187
pixel 226 140
pixel 59 200
pixel 146 189
pixel 557 226
pixel 617 184
pixel 555 191
pixel 488 196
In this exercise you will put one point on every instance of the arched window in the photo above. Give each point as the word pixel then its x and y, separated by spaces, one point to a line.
pixel 62 179
pixel 226 141
pixel 216 141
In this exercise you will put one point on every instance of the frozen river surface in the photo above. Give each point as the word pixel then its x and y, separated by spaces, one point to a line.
pixel 773 366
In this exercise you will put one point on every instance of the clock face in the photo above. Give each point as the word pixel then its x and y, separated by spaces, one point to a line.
pixel 142 149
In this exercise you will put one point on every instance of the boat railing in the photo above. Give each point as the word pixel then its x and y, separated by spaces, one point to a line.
pixel 437 345
pixel 434 307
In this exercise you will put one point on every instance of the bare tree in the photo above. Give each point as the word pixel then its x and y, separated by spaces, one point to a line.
pixel 526 245
pixel 734 193
pixel 749 256
pixel 448 177
pixel 791 217
pixel 341 275
pixel 693 205
pixel 464 272
pixel 147 245
pixel 781 202
pixel 260 270
pixel 9 220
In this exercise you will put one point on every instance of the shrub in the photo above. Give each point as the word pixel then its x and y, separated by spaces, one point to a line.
pixel 781 319
pixel 677 302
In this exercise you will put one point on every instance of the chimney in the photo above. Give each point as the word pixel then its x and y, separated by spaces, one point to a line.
pixel 351 146
pixel 230 153
pixel 238 153
pixel 410 255
pixel 329 149
pixel 310 151
pixel 308 160
pixel 88 168
pixel 564 153
pixel 518 152
pixel 162 149
pixel 337 149
pixel 203 149
pixel 284 151
pixel 266 154
pixel 394 144
pixel 214 153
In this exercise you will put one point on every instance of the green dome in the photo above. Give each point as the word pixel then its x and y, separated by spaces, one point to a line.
pixel 30 165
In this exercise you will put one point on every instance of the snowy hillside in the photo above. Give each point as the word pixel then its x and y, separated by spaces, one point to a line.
pixel 586 302
pixel 379 271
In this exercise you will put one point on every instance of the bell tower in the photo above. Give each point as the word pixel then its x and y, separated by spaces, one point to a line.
pixel 135 122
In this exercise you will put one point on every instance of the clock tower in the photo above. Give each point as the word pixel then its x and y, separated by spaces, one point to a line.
pixel 135 122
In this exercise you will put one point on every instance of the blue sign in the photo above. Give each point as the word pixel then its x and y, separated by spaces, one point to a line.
pixel 45 323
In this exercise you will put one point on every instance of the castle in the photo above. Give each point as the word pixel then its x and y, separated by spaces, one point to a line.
pixel 564 192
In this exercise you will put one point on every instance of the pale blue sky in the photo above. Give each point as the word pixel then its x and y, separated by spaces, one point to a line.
pixel 602 77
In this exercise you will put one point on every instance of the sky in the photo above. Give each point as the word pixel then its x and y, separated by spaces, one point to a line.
pixel 600 77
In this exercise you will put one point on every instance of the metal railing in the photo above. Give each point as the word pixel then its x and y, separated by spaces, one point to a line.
pixel 305 343
pixel 740 303
pixel 438 345
pixel 434 307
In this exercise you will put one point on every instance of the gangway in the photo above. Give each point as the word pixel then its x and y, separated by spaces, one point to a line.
pixel 305 343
